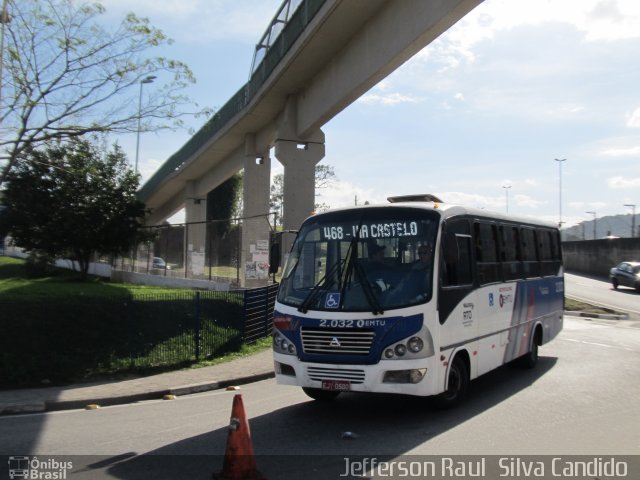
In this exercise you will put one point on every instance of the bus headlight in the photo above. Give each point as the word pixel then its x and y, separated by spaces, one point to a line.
pixel 415 344
pixel 400 349
pixel 282 344
pixel 418 346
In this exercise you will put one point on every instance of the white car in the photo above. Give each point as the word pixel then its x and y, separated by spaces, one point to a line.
pixel 160 263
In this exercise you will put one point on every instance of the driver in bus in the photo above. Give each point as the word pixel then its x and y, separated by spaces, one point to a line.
pixel 377 269
pixel 424 258
pixel 417 281
pixel 376 255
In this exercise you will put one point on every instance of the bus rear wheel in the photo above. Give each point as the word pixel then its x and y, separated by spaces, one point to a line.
pixel 457 385
pixel 530 359
pixel 320 395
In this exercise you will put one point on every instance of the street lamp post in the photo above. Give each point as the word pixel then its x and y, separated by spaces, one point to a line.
pixel 148 79
pixel 633 218
pixel 506 191
pixel 4 19
pixel 560 160
pixel 594 223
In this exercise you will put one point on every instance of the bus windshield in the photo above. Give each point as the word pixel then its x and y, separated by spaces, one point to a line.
pixel 370 259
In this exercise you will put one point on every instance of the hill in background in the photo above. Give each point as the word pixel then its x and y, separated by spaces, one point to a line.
pixel 616 225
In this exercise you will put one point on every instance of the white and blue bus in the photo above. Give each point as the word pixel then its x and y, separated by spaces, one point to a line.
pixel 414 297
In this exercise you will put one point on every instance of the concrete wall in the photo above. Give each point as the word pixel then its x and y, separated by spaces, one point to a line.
pixel 596 257
pixel 170 282
pixel 105 270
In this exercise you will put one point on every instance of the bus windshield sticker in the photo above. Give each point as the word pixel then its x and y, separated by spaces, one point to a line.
pixel 332 300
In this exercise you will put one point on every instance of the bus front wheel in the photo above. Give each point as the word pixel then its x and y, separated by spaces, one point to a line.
pixel 320 395
pixel 457 385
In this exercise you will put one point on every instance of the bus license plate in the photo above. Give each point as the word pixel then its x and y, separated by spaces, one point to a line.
pixel 336 385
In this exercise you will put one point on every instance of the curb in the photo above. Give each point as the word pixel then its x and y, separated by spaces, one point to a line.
pixel 103 401
pixel 603 316
pixel 13 408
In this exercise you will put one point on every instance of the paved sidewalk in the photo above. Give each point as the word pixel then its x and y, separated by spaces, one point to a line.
pixel 181 382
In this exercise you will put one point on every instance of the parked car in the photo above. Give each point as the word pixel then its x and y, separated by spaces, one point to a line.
pixel 626 274
pixel 160 263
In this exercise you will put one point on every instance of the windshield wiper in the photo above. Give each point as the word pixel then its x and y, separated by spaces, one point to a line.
pixel 368 291
pixel 352 265
pixel 319 287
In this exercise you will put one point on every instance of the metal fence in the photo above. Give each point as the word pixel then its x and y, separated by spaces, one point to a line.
pixel 76 337
pixel 209 251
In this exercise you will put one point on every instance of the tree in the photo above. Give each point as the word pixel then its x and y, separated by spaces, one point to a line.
pixel 222 201
pixel 71 200
pixel 325 176
pixel 222 206
pixel 65 76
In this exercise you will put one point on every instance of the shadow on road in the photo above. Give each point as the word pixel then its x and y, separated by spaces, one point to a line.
pixel 305 440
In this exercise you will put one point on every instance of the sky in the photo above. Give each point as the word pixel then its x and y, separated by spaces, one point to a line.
pixel 477 117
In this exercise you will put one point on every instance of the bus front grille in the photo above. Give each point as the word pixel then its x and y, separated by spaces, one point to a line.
pixel 337 342
pixel 320 373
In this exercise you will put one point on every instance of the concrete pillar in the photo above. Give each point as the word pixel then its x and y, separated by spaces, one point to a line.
pixel 255 226
pixel 299 156
pixel 195 232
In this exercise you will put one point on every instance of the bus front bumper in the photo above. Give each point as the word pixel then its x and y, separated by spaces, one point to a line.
pixel 410 377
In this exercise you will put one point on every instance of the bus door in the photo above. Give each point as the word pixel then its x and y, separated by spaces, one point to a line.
pixel 456 273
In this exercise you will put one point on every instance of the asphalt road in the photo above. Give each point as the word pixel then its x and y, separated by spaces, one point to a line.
pixel 600 292
pixel 582 399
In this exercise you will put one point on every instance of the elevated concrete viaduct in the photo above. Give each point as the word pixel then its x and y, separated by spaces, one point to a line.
pixel 327 55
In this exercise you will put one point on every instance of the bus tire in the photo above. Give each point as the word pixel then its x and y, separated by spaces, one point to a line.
pixel 457 385
pixel 530 359
pixel 320 395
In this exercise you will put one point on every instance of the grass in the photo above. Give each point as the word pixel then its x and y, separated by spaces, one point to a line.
pixel 60 282
pixel 577 306
pixel 246 350
pixel 79 329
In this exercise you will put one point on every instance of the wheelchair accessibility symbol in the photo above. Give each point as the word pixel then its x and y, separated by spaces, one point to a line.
pixel 332 300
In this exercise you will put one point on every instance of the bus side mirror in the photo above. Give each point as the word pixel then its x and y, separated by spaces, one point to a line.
pixel 274 258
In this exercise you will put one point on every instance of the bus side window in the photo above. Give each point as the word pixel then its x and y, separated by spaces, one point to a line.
pixel 546 255
pixel 529 253
pixel 488 268
pixel 510 252
pixel 457 260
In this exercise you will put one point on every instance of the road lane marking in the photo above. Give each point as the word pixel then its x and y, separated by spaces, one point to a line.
pixel 606 345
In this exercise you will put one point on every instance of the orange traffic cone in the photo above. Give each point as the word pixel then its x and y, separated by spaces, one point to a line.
pixel 239 460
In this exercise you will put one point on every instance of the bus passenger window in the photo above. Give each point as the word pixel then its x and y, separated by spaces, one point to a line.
pixel 457 260
pixel 529 253
pixel 486 240
pixel 511 256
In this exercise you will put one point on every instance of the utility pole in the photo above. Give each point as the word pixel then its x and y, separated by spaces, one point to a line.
pixel 146 80
pixel 594 223
pixel 506 191
pixel 633 217
pixel 560 160
pixel 4 19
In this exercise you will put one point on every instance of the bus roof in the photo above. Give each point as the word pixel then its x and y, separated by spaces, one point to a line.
pixel 447 210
